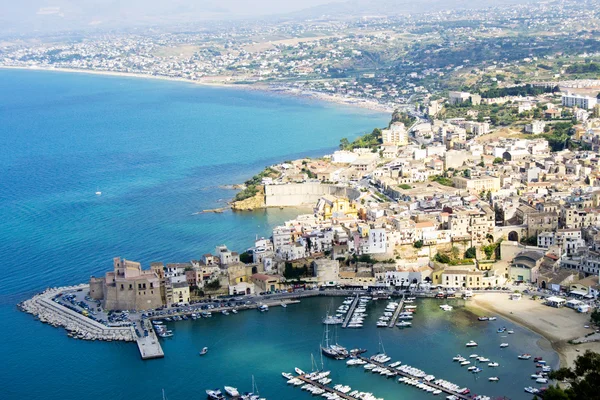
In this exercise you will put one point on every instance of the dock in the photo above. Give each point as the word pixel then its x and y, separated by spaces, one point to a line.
pixel 149 346
pixel 404 374
pixel 350 312
pixel 396 313
pixel 325 388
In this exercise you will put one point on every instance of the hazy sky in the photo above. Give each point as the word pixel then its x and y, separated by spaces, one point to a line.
pixel 27 16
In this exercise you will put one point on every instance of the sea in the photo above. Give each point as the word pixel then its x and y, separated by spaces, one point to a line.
pixel 160 152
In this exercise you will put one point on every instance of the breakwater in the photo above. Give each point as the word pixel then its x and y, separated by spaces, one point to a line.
pixel 44 308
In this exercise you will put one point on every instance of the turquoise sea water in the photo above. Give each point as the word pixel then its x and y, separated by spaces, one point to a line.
pixel 158 151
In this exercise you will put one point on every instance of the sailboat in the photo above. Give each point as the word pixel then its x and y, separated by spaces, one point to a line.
pixel 334 351
pixel 254 395
pixel 381 357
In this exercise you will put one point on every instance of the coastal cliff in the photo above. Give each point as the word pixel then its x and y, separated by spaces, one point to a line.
pixel 251 203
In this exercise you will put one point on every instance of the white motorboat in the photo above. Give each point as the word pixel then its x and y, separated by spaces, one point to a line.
pixel 204 351
pixel 493 379
pixel 471 344
pixel 215 394
pixel 493 364
pixel 542 380
pixel 524 357
pixel 283 305
pixel 510 331
pixel 503 345
pixel 465 362
pixel 299 371
pixel 473 356
pixel 457 358
pixel 404 324
pixel 532 390
pixel 234 311
pixel 287 375
pixel 263 308
pixel 231 391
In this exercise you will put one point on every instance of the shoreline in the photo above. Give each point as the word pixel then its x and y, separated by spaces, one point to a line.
pixel 259 87
pixel 559 342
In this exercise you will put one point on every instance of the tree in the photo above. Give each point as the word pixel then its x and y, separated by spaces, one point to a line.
pixel 587 180
pixel 455 252
pixel 442 258
pixel 418 244
pixel 246 258
pixel 344 143
pixel 471 252
pixel 498 160
pixel 584 378
pixel 554 393
pixel 595 317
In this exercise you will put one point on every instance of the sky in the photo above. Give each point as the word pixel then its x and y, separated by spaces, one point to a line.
pixel 39 16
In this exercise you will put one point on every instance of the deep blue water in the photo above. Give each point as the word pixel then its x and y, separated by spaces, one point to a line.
pixel 158 151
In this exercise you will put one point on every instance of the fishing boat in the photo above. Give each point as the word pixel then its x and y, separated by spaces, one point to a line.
pixel 471 344
pixel 203 351
pixel 215 394
pixel 231 391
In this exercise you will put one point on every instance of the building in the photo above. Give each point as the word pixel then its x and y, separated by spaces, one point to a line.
pixel 395 135
pixel 477 185
pixel 455 98
pixel 575 100
pixel 535 127
pixel 128 287
pixel 526 265
pixel 266 283
pixel 326 270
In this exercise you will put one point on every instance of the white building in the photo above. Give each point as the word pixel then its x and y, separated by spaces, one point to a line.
pixel 575 100
pixel 343 157
pixel 535 127
pixel 377 241
pixel 395 135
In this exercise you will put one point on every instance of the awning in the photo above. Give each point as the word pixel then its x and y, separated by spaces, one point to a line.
pixel 578 292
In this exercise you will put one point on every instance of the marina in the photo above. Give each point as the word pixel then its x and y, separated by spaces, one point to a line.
pixel 397 372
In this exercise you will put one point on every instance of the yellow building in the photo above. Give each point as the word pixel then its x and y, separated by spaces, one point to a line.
pixel 181 292
pixel 331 206
pixel 477 185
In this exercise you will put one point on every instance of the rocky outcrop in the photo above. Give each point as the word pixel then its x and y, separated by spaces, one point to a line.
pixel 251 203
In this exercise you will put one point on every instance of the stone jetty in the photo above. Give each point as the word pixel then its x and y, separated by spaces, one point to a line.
pixel 79 326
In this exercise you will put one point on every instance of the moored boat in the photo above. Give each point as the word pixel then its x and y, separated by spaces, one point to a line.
pixel 231 391
pixel 215 394
pixel 203 351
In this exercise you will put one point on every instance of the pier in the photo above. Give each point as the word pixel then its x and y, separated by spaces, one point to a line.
pixel 396 313
pixel 325 388
pixel 350 312
pixel 149 346
pixel 404 374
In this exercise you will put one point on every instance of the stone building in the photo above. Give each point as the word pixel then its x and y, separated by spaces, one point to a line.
pixel 128 287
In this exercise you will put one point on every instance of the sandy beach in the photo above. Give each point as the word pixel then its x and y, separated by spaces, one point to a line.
pixel 557 325
pixel 227 82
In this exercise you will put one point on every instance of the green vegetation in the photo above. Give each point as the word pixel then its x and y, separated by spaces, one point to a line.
pixel 309 173
pixel 295 273
pixel 583 68
pixel 246 258
pixel 252 184
pixel 406 119
pixel 525 90
pixel 471 252
pixel 442 258
pixel 583 379
pixel 595 317
pixel 498 160
pixel 418 244
pixel 370 140
pixel 213 285
pixel 405 186
pixel 442 180
pixel 559 135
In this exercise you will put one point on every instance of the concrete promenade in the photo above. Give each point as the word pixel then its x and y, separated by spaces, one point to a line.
pixel 396 313
pixel 350 312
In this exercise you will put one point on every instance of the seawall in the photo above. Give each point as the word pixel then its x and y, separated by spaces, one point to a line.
pixel 299 194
